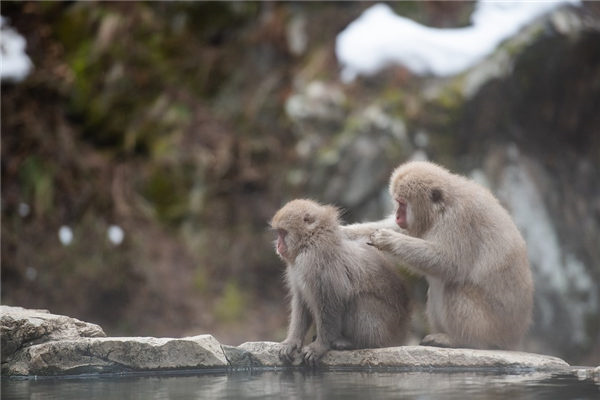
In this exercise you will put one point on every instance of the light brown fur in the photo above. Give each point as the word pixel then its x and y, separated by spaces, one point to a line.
pixel 347 288
pixel 465 243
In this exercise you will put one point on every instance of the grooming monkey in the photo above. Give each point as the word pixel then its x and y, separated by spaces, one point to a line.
pixel 347 288
pixel 456 233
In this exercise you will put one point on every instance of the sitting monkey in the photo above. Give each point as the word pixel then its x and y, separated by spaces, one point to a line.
pixel 344 286
pixel 457 234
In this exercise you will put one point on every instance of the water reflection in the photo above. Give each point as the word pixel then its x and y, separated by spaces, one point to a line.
pixel 302 385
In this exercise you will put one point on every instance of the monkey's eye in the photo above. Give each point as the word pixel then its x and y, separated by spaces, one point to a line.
pixel 436 195
pixel 281 232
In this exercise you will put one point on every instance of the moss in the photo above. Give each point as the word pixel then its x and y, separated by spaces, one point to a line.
pixel 200 280
pixel 451 96
pixel 37 181
pixel 167 191
pixel 231 304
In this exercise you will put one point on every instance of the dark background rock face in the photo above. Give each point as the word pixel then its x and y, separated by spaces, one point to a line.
pixel 189 124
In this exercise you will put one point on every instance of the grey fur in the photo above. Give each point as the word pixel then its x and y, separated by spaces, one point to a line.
pixel 472 254
pixel 347 288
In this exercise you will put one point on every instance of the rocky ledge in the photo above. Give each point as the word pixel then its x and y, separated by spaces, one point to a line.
pixel 35 342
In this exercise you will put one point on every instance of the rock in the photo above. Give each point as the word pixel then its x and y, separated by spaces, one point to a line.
pixel 117 354
pixel 240 357
pixel 22 327
pixel 436 357
pixel 267 353
pixel 587 373
pixel 64 350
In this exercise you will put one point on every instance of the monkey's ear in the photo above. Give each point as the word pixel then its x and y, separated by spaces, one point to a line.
pixel 308 218
pixel 436 195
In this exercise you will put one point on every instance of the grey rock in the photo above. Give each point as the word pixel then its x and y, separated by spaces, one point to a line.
pixel 117 354
pixel 63 350
pixel 267 353
pixel 238 357
pixel 21 327
pixel 435 357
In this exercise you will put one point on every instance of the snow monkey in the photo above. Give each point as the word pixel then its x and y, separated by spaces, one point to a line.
pixel 347 288
pixel 457 234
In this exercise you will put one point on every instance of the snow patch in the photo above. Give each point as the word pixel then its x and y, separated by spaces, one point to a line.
pixel 380 37
pixel 14 63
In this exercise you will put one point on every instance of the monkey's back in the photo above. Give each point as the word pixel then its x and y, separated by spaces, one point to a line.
pixel 491 259
pixel 384 306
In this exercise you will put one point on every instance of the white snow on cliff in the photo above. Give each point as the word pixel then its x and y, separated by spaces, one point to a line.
pixel 379 37
pixel 14 63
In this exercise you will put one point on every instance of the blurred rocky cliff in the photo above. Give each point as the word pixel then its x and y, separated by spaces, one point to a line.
pixel 186 125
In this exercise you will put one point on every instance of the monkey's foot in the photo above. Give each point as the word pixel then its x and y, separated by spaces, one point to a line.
pixel 289 350
pixel 341 343
pixel 437 340
pixel 312 353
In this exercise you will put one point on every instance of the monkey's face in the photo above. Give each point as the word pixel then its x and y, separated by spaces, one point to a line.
pixel 299 225
pixel 408 202
pixel 401 212
pixel 281 246
pixel 417 191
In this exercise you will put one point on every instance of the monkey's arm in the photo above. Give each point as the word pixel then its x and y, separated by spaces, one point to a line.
pixel 300 321
pixel 422 255
pixel 365 229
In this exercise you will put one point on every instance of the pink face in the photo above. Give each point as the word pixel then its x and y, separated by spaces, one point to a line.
pixel 401 212
pixel 281 245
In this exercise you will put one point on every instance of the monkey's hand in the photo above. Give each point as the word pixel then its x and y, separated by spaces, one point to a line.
pixel 312 353
pixel 289 348
pixel 354 232
pixel 382 239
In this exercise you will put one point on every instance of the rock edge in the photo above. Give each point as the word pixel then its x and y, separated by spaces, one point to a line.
pixel 41 343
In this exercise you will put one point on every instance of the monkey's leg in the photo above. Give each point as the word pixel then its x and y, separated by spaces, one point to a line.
pixel 300 321
pixel 329 329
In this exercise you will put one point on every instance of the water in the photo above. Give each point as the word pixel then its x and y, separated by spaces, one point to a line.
pixel 306 385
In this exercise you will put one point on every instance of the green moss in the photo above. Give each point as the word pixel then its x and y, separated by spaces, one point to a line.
pixel 167 191
pixel 231 304
pixel 393 99
pixel 200 280
pixel 37 181
pixel 451 96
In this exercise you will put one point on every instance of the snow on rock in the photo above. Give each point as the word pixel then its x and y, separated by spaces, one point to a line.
pixel 379 37
pixel 15 65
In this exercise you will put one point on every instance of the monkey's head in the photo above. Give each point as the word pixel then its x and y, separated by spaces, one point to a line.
pixel 300 224
pixel 419 189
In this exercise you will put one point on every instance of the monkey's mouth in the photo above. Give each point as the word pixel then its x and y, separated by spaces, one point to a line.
pixel 401 214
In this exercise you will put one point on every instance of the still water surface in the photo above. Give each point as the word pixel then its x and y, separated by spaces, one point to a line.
pixel 306 385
